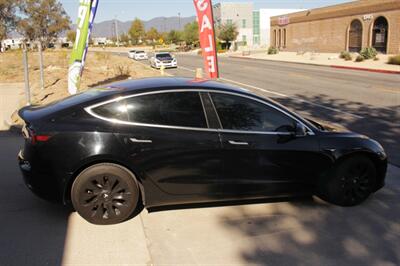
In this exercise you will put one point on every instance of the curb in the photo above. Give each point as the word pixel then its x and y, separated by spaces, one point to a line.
pixel 331 66
pixel 367 69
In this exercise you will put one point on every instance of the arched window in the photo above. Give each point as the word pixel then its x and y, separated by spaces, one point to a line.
pixel 355 36
pixel 380 34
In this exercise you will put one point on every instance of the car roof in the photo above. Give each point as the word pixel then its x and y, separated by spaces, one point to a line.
pixel 168 83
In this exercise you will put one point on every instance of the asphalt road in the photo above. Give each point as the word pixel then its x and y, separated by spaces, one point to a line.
pixel 298 232
pixel 364 102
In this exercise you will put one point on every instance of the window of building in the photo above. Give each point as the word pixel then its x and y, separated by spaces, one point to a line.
pixel 355 36
pixel 229 21
pixel 244 38
pixel 256 22
pixel 380 34
pixel 256 39
pixel 243 23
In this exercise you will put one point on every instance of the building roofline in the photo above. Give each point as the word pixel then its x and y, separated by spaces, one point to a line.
pixel 334 11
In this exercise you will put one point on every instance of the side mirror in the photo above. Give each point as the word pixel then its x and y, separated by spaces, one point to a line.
pixel 301 130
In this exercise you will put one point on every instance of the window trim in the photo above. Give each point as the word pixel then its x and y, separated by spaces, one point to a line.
pixel 89 109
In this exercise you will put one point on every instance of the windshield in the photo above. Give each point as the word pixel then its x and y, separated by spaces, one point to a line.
pixel 140 52
pixel 163 56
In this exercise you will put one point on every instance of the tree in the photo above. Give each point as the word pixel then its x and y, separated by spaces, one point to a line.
pixel 8 17
pixel 152 35
pixel 71 36
pixel 136 32
pixel 124 38
pixel 228 32
pixel 174 36
pixel 191 33
pixel 43 20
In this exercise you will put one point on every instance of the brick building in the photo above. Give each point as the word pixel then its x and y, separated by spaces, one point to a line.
pixel 350 26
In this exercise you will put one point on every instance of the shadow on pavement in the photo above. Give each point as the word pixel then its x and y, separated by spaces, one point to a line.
pixel 381 124
pixel 32 231
pixel 314 233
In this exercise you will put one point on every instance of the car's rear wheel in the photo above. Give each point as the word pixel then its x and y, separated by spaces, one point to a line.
pixel 105 193
pixel 350 182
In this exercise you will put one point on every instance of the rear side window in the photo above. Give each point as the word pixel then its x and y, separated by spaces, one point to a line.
pixel 239 113
pixel 183 109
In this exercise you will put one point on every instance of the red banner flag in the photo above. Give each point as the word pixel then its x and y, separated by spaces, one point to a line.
pixel 207 36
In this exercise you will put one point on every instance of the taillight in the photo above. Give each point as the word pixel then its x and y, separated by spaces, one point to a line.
pixel 42 138
pixel 37 138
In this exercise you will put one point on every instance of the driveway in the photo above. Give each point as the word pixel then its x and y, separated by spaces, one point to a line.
pixel 298 232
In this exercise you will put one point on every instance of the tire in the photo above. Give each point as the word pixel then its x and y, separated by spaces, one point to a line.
pixel 349 183
pixel 105 193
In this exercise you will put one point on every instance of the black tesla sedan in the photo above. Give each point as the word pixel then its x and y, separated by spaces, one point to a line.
pixel 170 141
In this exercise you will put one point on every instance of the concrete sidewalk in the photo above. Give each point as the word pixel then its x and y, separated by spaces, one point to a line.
pixel 11 95
pixel 325 59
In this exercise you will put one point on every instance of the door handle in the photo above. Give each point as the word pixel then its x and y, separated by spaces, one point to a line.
pixel 238 143
pixel 141 140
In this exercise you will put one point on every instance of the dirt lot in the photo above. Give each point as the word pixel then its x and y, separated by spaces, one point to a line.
pixel 101 68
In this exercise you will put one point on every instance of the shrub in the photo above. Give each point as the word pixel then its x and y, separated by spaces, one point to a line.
pixel 273 50
pixel 394 60
pixel 368 52
pixel 360 58
pixel 346 56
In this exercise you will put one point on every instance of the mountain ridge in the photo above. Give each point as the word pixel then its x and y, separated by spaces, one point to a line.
pixel 162 24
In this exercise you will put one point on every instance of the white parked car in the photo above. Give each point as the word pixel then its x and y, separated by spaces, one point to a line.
pixel 140 55
pixel 131 54
pixel 163 59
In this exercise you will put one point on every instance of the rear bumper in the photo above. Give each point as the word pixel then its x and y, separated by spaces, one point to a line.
pixel 41 183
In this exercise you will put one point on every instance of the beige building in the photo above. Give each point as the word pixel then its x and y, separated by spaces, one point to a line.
pixel 350 26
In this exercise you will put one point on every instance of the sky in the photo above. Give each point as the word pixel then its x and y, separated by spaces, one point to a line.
pixel 125 10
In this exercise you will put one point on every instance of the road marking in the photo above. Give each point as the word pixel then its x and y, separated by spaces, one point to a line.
pixel 281 95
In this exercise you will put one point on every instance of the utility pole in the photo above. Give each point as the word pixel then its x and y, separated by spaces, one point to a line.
pixel 179 15
pixel 41 65
pixel 26 75
pixel 116 30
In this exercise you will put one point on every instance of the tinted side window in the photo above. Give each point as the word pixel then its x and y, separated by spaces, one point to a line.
pixel 113 110
pixel 170 109
pixel 239 113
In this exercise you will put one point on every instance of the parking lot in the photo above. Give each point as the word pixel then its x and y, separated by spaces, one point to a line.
pixel 296 232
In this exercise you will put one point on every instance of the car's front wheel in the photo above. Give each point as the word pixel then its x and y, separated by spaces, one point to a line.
pixel 105 193
pixel 350 182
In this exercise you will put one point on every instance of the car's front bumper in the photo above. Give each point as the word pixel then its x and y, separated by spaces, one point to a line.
pixel 167 65
pixel 39 181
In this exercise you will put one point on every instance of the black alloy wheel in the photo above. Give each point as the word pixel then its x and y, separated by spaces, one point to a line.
pixel 351 182
pixel 105 194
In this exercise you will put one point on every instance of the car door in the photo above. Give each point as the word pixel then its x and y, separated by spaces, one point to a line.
pixel 169 143
pixel 262 157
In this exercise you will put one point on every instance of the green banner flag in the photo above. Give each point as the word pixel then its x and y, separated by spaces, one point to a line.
pixel 78 52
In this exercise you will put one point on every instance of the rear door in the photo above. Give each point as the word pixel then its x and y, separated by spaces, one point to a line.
pixel 169 143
